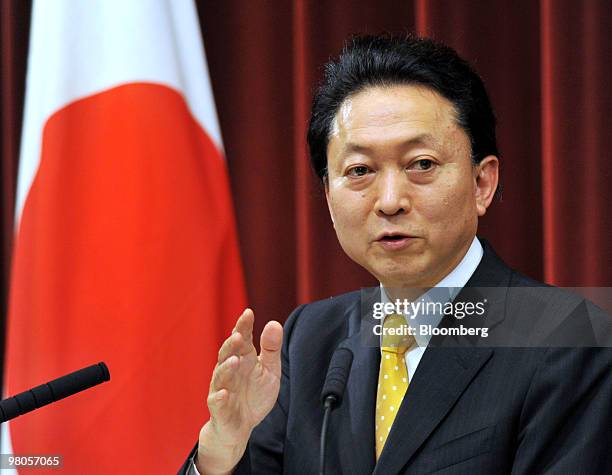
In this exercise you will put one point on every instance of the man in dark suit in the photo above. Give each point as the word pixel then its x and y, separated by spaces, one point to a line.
pixel 402 135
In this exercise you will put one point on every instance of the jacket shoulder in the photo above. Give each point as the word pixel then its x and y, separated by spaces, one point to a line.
pixel 322 319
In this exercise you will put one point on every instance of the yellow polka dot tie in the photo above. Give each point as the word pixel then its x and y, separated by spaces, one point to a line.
pixel 392 378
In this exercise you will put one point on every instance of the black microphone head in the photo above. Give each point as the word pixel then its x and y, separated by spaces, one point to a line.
pixel 52 391
pixel 79 380
pixel 104 372
pixel 337 375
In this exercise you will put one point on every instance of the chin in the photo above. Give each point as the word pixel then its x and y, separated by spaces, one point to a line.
pixel 397 276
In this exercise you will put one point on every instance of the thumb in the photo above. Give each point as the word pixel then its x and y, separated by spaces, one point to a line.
pixel 270 342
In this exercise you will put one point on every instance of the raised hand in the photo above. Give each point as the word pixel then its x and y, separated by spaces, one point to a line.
pixel 243 390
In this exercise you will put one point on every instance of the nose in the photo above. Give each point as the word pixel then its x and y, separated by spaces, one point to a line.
pixel 392 192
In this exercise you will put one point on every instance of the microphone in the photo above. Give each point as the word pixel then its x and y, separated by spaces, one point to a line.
pixel 333 390
pixel 53 391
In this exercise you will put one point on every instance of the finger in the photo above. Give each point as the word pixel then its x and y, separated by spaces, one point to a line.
pixel 244 325
pixel 271 341
pixel 225 374
pixel 228 348
pixel 234 345
pixel 222 407
pixel 217 401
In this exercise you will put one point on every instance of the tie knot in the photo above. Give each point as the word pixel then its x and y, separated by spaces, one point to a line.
pixel 395 337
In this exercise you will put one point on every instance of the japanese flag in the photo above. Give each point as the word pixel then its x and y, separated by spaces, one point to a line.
pixel 125 248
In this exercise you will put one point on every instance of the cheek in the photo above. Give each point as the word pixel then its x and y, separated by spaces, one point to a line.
pixel 349 211
pixel 448 205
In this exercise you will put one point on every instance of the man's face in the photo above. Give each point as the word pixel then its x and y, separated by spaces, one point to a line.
pixel 402 192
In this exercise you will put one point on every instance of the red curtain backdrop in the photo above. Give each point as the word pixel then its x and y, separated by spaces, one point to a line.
pixel 546 65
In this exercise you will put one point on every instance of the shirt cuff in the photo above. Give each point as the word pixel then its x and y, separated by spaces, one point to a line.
pixel 192 470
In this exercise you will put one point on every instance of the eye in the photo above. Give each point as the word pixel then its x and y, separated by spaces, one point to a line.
pixel 423 165
pixel 358 171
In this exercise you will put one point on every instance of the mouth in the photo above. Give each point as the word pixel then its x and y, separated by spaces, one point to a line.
pixel 395 241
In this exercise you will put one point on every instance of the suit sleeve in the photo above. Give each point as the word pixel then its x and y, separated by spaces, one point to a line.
pixel 264 452
pixel 566 421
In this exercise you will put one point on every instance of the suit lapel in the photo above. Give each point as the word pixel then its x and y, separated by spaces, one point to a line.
pixel 441 377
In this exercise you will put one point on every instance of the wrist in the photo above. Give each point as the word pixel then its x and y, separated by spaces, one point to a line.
pixel 216 455
pixel 204 467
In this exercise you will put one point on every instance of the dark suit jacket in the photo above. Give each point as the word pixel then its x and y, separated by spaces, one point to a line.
pixel 468 410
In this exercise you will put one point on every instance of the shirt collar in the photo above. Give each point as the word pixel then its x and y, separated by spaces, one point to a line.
pixel 455 280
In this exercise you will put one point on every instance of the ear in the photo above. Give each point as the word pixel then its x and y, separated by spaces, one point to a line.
pixel 486 179
pixel 328 199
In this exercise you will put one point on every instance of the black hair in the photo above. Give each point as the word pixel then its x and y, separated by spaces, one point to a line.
pixel 371 61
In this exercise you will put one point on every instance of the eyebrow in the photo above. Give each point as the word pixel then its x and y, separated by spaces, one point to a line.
pixel 421 139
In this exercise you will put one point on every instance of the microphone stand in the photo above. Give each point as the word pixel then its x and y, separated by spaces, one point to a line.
pixel 329 405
